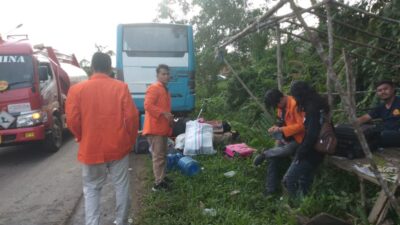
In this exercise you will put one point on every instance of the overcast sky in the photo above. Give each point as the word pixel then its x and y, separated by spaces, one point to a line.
pixel 75 26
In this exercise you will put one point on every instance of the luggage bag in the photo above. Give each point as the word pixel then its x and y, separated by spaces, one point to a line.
pixel 348 144
pixel 238 150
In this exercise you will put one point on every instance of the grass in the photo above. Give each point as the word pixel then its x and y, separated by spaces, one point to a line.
pixel 333 191
pixel 189 196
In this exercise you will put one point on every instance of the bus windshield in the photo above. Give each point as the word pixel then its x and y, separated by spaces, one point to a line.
pixel 155 41
pixel 17 70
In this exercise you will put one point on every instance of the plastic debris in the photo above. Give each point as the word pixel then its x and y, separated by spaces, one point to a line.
pixel 235 192
pixel 130 221
pixel 209 212
pixel 230 173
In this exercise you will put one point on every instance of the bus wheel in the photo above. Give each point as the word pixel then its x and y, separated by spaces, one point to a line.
pixel 53 140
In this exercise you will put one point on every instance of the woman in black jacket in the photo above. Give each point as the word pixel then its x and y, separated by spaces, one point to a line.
pixel 300 174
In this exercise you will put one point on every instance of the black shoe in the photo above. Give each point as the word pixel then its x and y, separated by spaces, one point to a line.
pixel 163 186
pixel 258 159
pixel 168 180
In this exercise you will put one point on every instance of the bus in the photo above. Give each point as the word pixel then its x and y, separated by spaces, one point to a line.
pixel 142 47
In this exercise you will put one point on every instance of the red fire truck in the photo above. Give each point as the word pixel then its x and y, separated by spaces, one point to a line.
pixel 34 82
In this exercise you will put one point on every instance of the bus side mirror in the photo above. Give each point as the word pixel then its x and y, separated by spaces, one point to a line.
pixel 43 74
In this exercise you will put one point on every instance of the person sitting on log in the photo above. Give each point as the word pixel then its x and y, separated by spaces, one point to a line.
pixel 289 134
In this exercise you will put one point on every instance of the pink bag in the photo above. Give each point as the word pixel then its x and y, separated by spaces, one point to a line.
pixel 239 149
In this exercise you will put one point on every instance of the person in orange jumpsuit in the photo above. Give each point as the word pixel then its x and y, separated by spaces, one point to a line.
pixel 158 124
pixel 101 115
pixel 288 133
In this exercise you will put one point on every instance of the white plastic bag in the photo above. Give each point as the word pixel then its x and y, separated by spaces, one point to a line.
pixel 180 142
pixel 198 138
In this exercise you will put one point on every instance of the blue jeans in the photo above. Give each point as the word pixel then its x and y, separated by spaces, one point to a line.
pixel 276 157
pixel 390 138
pixel 299 177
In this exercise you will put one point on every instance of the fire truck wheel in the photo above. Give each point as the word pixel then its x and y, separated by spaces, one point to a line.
pixel 53 140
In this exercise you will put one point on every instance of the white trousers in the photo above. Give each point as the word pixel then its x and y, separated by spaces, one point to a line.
pixel 94 177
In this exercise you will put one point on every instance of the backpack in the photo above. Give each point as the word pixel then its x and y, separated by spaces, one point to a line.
pixel 348 144
pixel 327 141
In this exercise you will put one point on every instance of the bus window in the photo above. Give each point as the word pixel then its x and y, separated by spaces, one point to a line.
pixel 147 42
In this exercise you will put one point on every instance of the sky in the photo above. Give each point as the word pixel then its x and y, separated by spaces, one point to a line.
pixel 76 26
pixel 73 26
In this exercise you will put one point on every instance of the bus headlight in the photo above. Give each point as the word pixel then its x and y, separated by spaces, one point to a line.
pixel 31 119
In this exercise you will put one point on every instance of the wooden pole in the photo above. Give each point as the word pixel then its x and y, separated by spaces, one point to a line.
pixel 279 57
pixel 350 110
pixel 351 41
pixel 330 54
pixel 356 28
pixel 280 19
pixel 248 90
pixel 350 81
pixel 336 49
pixel 254 24
pixel 362 193
pixel 366 13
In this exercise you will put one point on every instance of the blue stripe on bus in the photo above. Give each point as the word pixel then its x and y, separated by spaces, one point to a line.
pixel 119 47
pixel 191 49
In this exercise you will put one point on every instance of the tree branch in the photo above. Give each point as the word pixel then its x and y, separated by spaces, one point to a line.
pixel 365 12
pixel 254 24
pixel 336 49
pixel 279 57
pixel 351 41
pixel 330 54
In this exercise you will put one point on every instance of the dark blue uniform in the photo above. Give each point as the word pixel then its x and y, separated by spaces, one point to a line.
pixel 390 136
pixel 390 117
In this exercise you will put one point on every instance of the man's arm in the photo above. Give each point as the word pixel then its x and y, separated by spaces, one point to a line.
pixel 296 127
pixel 131 115
pixel 363 119
pixel 73 113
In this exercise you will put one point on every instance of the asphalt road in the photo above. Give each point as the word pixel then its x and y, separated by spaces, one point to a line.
pixel 39 188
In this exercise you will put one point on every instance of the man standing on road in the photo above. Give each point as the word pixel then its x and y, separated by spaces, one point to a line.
pixel 104 120
pixel 157 124
pixel 388 111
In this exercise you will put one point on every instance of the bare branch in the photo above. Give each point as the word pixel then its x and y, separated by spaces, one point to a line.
pixel 336 49
pixel 247 89
pixel 254 24
pixel 279 57
pixel 351 41
pixel 366 13
pixel 355 28
pixel 330 54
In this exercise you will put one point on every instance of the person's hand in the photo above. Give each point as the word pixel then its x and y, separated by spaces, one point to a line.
pixel 169 116
pixel 274 129
pixel 282 142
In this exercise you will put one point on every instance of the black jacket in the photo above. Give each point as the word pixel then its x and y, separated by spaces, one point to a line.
pixel 312 127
